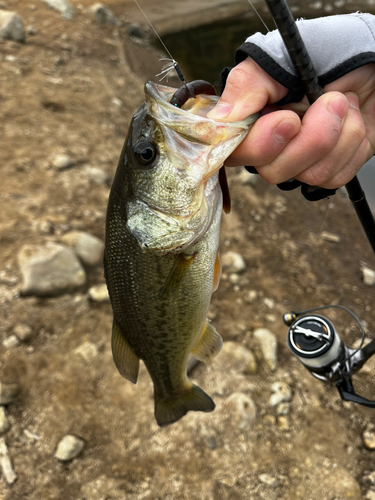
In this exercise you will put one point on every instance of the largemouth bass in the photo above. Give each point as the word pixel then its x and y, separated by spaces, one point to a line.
pixel 162 238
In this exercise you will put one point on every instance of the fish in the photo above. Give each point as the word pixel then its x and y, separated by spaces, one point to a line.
pixel 161 259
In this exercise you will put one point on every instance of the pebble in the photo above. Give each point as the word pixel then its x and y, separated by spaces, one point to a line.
pixel 281 393
pixel 11 26
pixel 368 275
pixel 241 409
pixel 11 342
pixel 6 463
pixel 8 393
pixel 234 355
pixel 88 351
pixel 103 14
pixel 97 175
pixel 99 293
pixel 23 332
pixel 31 31
pixel 8 279
pixel 69 447
pixel 62 162
pixel 89 248
pixel 283 423
pixel 233 262
pixel 135 31
pixel 4 421
pixel 63 6
pixel 268 344
pixel 269 480
pixel 369 479
pixel 283 409
pixel 370 495
pixel 333 238
pixel 49 270
pixel 369 437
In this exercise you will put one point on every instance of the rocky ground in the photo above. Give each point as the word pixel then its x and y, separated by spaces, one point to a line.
pixel 72 428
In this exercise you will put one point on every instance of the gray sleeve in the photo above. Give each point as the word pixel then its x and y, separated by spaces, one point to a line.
pixel 336 44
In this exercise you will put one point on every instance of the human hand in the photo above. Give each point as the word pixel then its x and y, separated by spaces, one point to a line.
pixel 324 144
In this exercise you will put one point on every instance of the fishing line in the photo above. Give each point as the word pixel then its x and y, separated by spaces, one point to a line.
pixel 260 17
pixel 172 63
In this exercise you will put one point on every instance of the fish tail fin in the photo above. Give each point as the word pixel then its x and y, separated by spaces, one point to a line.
pixel 168 412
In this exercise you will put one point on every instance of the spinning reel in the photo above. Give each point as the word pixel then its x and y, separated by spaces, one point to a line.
pixel 314 341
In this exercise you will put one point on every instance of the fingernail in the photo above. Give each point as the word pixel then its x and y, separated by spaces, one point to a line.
pixel 353 100
pixel 285 131
pixel 338 107
pixel 220 111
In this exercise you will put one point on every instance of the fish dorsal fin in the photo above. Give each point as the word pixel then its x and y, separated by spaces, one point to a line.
pixel 209 343
pixel 223 181
pixel 179 267
pixel 126 361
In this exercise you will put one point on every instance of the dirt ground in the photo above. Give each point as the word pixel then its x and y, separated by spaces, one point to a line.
pixel 72 88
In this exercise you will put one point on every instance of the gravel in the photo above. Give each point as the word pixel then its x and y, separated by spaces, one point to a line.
pixel 11 26
pixel 69 447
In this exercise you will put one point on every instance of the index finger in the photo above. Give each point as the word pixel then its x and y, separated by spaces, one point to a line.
pixel 248 89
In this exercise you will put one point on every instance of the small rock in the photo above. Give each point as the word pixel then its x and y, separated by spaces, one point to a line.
pixel 63 6
pixel 8 279
pixel 23 332
pixel 281 392
pixel 11 26
pixel 31 31
pixel 283 423
pixel 8 393
pixel 11 342
pixel 3 5
pixel 234 355
pixel 268 344
pixel 369 437
pixel 270 303
pixel 370 495
pixel 6 463
pixel 251 296
pixel 283 409
pixel 234 278
pixel 241 409
pixel 69 447
pixel 97 175
pixel 103 14
pixel 4 422
pixel 368 275
pixel 369 479
pixel 269 480
pixel 49 270
pixel 88 351
pixel 326 236
pixel 46 227
pixel 269 420
pixel 233 262
pixel 89 248
pixel 99 293
pixel 62 162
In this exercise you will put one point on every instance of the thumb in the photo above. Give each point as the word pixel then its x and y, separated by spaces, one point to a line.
pixel 248 89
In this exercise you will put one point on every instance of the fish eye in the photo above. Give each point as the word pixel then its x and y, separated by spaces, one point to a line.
pixel 145 153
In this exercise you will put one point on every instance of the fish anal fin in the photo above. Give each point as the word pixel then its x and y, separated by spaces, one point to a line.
pixel 223 181
pixel 209 343
pixel 125 359
pixel 217 272
pixel 168 412
pixel 178 270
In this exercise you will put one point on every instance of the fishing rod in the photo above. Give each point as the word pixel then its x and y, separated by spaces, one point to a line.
pixel 312 338
pixel 305 70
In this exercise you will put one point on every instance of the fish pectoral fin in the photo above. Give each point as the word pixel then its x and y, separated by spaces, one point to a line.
pixel 125 359
pixel 217 272
pixel 209 343
pixel 168 412
pixel 178 270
